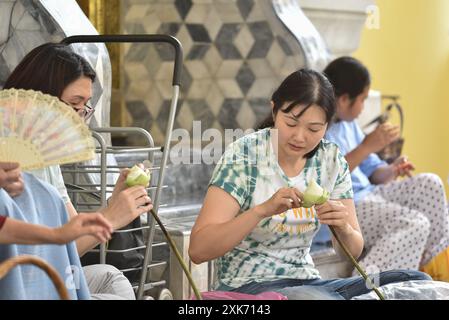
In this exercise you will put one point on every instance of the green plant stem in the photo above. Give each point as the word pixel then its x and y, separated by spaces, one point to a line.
pixel 356 265
pixel 178 256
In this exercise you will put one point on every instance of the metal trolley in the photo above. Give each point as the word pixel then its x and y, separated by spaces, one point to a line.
pixel 90 182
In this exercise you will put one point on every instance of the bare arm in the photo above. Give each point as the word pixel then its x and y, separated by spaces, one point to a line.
pixel 382 175
pixel 123 208
pixel 16 231
pixel 85 243
pixel 381 137
pixel 399 168
pixel 217 230
pixel 356 156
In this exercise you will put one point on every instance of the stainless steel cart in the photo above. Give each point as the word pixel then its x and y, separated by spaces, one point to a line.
pixel 91 182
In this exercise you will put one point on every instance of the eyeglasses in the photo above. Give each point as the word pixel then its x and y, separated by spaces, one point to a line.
pixel 85 112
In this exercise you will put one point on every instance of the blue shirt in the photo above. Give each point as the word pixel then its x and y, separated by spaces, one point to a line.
pixel 348 135
pixel 40 203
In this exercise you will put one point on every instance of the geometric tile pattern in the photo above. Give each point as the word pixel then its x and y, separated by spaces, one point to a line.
pixel 235 55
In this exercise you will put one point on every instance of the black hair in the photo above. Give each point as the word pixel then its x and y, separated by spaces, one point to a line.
pixel 49 68
pixel 348 76
pixel 303 87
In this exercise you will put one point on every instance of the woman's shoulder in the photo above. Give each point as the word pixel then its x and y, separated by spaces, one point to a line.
pixel 252 137
pixel 328 147
pixel 249 142
pixel 329 150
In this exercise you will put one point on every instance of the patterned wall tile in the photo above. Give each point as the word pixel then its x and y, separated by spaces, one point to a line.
pixel 229 112
pixel 230 88
pixel 259 106
pixel 152 59
pixel 245 7
pixel 213 22
pixel 213 60
pixel 275 56
pixel 183 7
pixel 229 69
pixel 198 32
pixel 263 39
pixel 201 112
pixel 263 87
pixel 198 52
pixel 140 114
pixel 197 68
pixel 245 117
pixel 214 99
pixel 229 12
pixel 244 41
pixel 235 54
pixel 225 39
pixel 245 78
pixel 186 119
pixel 153 100
pixel 198 13
pixel 199 89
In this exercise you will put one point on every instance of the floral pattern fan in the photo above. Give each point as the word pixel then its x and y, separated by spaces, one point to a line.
pixel 38 130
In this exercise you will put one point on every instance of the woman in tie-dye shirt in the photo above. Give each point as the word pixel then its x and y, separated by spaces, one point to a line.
pixel 252 219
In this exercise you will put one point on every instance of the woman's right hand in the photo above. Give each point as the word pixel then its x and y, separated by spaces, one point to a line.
pixel 283 200
pixel 127 205
pixel 381 137
pixel 11 178
pixel 94 224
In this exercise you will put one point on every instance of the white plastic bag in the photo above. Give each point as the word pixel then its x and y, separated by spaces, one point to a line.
pixel 411 290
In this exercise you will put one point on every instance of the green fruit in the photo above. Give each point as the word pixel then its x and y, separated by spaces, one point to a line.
pixel 314 195
pixel 138 176
pixel 323 198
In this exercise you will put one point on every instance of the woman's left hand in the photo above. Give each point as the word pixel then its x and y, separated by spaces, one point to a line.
pixel 120 184
pixel 334 213
pixel 402 167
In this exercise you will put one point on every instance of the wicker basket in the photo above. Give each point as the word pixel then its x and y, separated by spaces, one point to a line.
pixel 7 265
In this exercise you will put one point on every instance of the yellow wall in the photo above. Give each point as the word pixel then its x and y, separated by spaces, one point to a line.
pixel 409 55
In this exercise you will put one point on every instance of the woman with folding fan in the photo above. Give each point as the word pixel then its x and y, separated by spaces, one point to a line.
pixel 55 70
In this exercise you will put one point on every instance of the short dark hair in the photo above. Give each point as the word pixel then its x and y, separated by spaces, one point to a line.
pixel 348 76
pixel 303 87
pixel 49 68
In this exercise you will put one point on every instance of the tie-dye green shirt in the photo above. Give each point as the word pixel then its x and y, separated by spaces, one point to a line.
pixel 278 247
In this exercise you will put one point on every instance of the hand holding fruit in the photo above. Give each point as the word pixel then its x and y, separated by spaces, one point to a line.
pixel 402 167
pixel 314 195
pixel 281 201
pixel 138 177
pixel 381 137
pixel 334 213
pixel 330 212
pixel 129 198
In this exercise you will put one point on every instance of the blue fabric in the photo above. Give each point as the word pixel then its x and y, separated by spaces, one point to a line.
pixel 338 289
pixel 348 135
pixel 40 203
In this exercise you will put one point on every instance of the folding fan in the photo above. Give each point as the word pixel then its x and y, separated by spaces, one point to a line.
pixel 38 130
